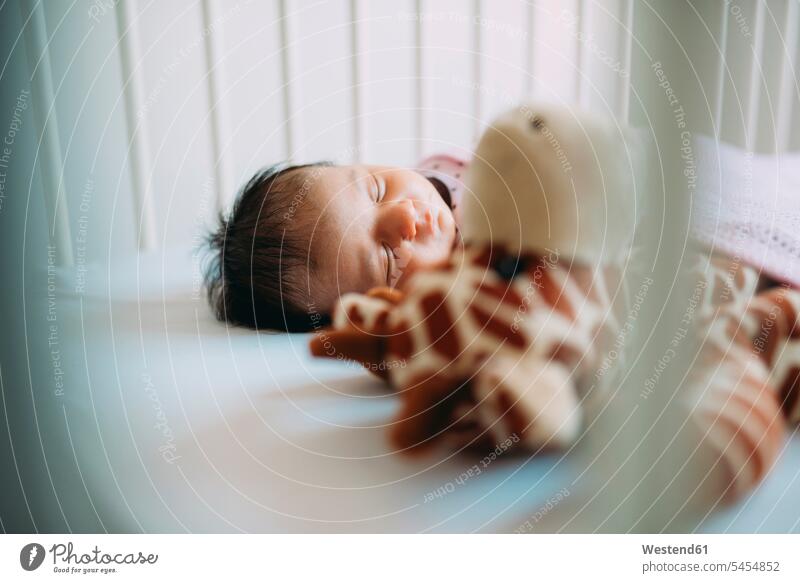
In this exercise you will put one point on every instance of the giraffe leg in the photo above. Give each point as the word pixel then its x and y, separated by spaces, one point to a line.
pixel 427 411
pixel 531 398
pixel 737 401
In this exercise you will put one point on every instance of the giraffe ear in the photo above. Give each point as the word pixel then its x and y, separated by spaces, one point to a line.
pixel 389 294
pixel 351 344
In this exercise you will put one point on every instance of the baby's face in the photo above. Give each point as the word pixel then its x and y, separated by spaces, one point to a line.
pixel 375 225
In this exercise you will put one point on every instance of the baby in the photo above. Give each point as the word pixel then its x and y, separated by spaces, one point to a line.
pixel 299 237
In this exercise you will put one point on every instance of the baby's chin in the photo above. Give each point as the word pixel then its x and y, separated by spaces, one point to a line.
pixel 430 260
pixel 450 231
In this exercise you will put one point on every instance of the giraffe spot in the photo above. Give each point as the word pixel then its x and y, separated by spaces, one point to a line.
pixel 380 322
pixel 739 279
pixel 483 258
pixel 504 293
pixel 427 410
pixel 439 325
pixel 505 403
pixel 497 327
pixel 790 391
pixel 354 315
pixel 554 295
pixel 566 354
pixel 400 343
pixel 733 431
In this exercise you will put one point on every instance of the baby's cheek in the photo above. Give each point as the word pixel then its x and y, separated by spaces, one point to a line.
pixel 429 256
pixel 405 263
pixel 433 253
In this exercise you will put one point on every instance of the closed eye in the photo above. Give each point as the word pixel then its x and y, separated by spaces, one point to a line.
pixel 379 192
pixel 390 260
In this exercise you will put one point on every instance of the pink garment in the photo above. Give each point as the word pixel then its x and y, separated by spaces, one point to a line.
pixel 450 170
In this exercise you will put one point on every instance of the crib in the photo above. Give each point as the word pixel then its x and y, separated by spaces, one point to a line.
pixel 144 118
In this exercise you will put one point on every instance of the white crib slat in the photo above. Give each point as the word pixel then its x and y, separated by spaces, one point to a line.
pixel 794 107
pixel 624 91
pixel 581 56
pixel 504 61
pixel 600 33
pixel 556 55
pixel 356 67
pixel 530 24
pixel 477 79
pixel 220 142
pixel 287 69
pixel 387 100
pixel 788 83
pixel 754 87
pixel 52 165
pixel 322 56
pixel 419 76
pixel 721 68
pixel 771 73
pixel 137 132
pixel 253 92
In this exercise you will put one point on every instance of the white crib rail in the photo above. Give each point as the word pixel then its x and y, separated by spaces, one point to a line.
pixel 52 166
pixel 754 97
pixel 553 55
pixel 788 90
pixel 220 140
pixel 720 83
pixel 624 106
pixel 287 69
pixel 138 141
pixel 420 98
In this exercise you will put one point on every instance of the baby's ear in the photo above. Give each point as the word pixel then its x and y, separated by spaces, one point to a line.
pixel 351 344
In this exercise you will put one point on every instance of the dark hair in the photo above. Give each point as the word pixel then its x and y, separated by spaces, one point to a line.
pixel 254 255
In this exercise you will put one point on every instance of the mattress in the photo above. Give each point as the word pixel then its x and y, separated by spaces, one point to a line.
pixel 184 424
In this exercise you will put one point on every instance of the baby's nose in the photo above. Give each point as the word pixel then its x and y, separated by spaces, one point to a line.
pixel 400 221
pixel 425 218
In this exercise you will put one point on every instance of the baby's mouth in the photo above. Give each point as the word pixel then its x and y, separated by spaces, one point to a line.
pixel 428 221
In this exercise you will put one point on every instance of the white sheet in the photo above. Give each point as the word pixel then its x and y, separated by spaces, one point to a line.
pixel 263 438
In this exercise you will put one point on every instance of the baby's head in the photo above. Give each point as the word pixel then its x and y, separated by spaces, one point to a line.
pixel 298 237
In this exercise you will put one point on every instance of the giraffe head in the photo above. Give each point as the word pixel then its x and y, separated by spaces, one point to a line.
pixel 546 176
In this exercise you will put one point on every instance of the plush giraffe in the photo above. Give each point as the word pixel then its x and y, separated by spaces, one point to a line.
pixel 490 346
